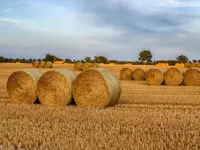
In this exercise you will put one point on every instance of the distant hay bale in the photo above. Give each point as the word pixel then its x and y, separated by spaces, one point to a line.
pixel 155 76
pixel 192 77
pixel 78 66
pixel 94 65
pixel 193 65
pixel 48 64
pixel 96 88
pixel 55 87
pixel 138 74
pixel 86 66
pixel 179 64
pixel 126 74
pixel 187 65
pixel 35 64
pixel 173 77
pixel 198 65
pixel 41 64
pixel 22 86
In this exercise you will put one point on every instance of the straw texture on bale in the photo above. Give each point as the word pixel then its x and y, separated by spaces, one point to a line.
pixel 87 66
pixel 139 74
pixel 41 64
pixel 55 87
pixel 155 76
pixel 192 77
pixel 78 66
pixel 173 77
pixel 22 86
pixel 48 64
pixel 96 88
pixel 126 74
pixel 35 64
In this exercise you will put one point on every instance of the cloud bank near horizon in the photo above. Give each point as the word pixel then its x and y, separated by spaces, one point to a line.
pixel 117 29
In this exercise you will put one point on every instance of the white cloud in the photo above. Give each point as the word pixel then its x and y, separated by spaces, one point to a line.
pixel 9 20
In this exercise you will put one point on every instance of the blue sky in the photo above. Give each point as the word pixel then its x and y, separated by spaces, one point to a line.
pixel 117 29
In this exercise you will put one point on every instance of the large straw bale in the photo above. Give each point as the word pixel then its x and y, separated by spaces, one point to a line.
pixel 173 77
pixel 48 64
pixel 139 74
pixel 41 64
pixel 126 74
pixel 192 77
pixel 78 66
pixel 155 76
pixel 96 88
pixel 22 86
pixel 55 87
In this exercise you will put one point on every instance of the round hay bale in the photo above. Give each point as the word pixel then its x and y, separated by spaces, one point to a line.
pixel 193 65
pixel 35 64
pixel 78 66
pixel 55 87
pixel 86 66
pixel 41 64
pixel 96 88
pixel 187 65
pixel 138 74
pixel 173 77
pixel 22 86
pixel 94 65
pixel 126 74
pixel 48 64
pixel 198 65
pixel 155 76
pixel 192 77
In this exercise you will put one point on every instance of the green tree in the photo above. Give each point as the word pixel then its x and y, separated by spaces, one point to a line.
pixel 100 59
pixel 2 59
pixel 50 57
pixel 145 56
pixel 87 59
pixel 182 59
pixel 68 60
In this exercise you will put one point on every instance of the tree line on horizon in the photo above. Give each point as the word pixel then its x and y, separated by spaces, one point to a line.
pixel 145 57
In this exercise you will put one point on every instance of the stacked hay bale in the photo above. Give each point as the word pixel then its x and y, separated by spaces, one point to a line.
pixel 192 77
pixel 35 64
pixel 55 87
pixel 41 64
pixel 155 76
pixel 139 74
pixel 48 64
pixel 96 88
pixel 78 66
pixel 22 86
pixel 126 74
pixel 173 77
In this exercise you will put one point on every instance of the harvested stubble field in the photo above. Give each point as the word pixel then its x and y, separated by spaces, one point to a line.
pixel 146 117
